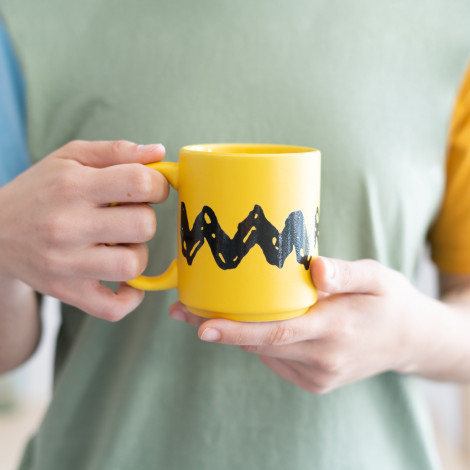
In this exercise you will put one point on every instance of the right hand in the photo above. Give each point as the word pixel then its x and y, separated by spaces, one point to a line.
pixel 56 225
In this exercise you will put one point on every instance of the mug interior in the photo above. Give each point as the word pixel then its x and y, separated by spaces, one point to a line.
pixel 247 149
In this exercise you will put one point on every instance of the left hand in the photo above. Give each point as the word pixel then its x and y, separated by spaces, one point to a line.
pixel 364 323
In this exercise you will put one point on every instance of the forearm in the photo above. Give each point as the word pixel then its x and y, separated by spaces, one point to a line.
pixel 440 339
pixel 20 324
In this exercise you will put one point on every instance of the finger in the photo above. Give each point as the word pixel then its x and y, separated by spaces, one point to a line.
pixel 113 263
pixel 178 311
pixel 315 355
pixel 121 224
pixel 297 374
pixel 282 368
pixel 336 276
pixel 101 154
pixel 298 352
pixel 279 333
pixel 126 183
pixel 100 301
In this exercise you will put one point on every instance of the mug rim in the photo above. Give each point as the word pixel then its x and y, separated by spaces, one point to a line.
pixel 240 149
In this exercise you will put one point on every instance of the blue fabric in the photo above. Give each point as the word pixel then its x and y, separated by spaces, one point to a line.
pixel 14 155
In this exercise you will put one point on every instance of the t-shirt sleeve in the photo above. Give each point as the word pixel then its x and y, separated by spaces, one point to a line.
pixel 450 234
pixel 14 155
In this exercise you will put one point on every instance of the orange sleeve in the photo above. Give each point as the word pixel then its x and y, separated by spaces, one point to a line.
pixel 450 234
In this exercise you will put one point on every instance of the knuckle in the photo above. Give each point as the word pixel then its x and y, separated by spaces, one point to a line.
pixel 163 189
pixel 330 363
pixel 380 275
pixel 147 223
pixel 382 284
pixel 373 266
pixel 119 146
pixel 141 182
pixel 104 304
pixel 280 335
pixel 76 142
pixel 143 256
pixel 47 258
pixel 110 312
pixel 49 268
pixel 66 182
pixel 129 265
pixel 57 230
pixel 73 144
pixel 95 299
pixel 372 263
pixel 240 338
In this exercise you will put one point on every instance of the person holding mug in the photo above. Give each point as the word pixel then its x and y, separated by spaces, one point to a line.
pixel 374 88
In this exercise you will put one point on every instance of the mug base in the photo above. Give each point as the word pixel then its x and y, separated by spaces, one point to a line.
pixel 250 317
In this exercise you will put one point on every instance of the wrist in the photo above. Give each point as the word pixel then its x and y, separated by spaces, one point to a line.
pixel 437 345
pixel 421 341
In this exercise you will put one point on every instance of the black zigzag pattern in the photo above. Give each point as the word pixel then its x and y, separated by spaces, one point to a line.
pixel 255 229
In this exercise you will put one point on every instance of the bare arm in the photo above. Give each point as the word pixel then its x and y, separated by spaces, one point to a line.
pixel 443 350
pixel 19 323
pixel 445 343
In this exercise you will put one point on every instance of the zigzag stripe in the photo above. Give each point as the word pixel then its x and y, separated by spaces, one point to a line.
pixel 255 229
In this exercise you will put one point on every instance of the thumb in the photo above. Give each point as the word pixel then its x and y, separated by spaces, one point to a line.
pixel 336 276
pixel 101 154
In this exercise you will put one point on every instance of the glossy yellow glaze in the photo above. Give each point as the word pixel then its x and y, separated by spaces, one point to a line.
pixel 232 179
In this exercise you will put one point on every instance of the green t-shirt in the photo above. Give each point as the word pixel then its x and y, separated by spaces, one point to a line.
pixel 369 83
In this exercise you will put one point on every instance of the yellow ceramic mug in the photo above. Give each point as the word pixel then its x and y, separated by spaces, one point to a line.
pixel 248 218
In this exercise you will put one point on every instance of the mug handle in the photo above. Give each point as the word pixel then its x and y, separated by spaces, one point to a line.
pixel 169 279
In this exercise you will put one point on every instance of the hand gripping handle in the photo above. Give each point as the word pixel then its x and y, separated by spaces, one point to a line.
pixel 169 279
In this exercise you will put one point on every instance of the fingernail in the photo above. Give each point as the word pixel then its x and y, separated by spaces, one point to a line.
pixel 178 315
pixel 330 269
pixel 210 334
pixel 150 148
